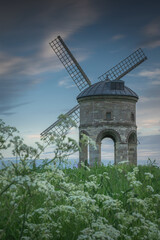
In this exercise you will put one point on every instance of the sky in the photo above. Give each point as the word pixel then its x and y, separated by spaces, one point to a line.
pixel 34 86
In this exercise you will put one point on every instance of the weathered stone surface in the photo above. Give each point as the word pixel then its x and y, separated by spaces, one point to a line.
pixel 121 127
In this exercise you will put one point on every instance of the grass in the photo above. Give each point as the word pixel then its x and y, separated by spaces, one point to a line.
pixel 104 202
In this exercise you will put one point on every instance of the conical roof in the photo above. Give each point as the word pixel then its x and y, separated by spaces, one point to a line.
pixel 107 88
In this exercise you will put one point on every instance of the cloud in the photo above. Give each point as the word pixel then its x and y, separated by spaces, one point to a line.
pixel 63 82
pixel 152 29
pixel 149 148
pixel 148 116
pixel 34 136
pixel 150 123
pixel 152 92
pixel 9 63
pixel 33 64
pixel 150 74
pixel 5 109
pixel 152 43
pixel 26 52
pixel 67 83
pixel 56 16
pixel 44 60
pixel 7 113
pixel 107 150
pixel 118 37
pixel 20 74
pixel 156 82
pixel 151 32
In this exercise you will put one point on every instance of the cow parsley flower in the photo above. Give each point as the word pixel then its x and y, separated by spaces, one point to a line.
pixel 149 188
pixel 148 175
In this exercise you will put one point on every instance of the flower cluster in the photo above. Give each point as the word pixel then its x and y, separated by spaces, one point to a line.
pixel 51 204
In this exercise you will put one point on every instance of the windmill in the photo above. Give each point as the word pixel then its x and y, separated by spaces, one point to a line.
pixel 111 81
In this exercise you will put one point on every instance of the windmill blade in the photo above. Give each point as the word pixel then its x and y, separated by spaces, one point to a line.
pixel 60 129
pixel 125 66
pixel 70 63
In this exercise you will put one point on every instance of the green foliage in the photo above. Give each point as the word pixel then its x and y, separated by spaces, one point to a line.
pixel 113 202
pixel 63 146
pixel 6 135
pixel 106 203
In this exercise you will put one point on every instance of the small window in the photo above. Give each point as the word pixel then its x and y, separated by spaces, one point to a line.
pixel 132 117
pixel 108 116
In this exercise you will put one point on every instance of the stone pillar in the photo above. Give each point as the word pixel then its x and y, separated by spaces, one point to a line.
pixel 83 154
pixel 132 148
pixel 132 153
pixel 121 152
pixel 95 155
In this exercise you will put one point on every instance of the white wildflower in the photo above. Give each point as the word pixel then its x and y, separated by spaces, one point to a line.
pixel 135 184
pixel 84 166
pixel 120 170
pixel 156 196
pixel 148 175
pixel 149 188
pixel 123 162
pixel 131 177
pixel 135 170
pixel 100 197
pixel 93 178
pixel 91 185
pixel 100 229
pixel 105 175
pixel 112 204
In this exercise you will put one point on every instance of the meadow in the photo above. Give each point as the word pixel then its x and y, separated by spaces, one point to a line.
pixel 105 202
pixel 100 203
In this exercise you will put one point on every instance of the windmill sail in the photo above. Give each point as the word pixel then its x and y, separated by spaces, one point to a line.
pixel 60 129
pixel 125 66
pixel 70 63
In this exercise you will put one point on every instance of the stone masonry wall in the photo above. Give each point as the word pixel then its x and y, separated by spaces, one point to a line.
pixel 93 120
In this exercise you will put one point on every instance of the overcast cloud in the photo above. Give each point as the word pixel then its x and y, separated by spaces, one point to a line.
pixel 98 33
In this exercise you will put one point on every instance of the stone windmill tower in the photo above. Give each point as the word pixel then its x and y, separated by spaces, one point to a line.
pixel 106 108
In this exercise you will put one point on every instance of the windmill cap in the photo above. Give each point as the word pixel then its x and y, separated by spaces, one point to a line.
pixel 108 88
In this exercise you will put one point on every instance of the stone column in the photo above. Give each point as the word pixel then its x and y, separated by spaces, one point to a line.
pixel 121 152
pixel 132 148
pixel 95 155
pixel 132 153
pixel 83 154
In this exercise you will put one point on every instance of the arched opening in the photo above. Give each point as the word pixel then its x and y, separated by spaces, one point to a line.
pixel 107 151
pixel 132 148
pixel 108 141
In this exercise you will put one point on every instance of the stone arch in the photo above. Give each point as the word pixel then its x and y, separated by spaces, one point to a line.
pixel 132 137
pixel 108 133
pixel 114 135
pixel 132 147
